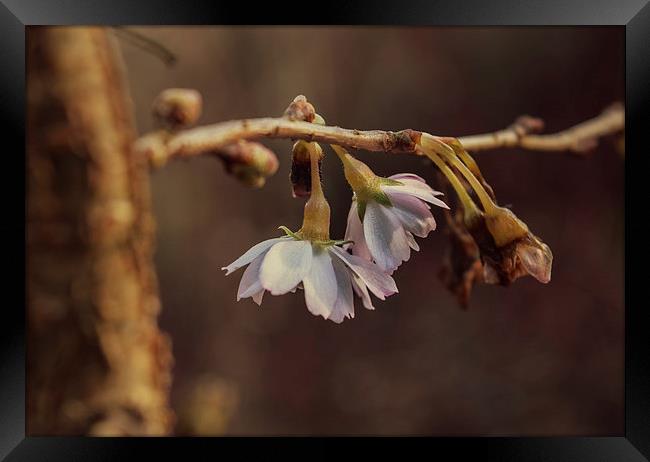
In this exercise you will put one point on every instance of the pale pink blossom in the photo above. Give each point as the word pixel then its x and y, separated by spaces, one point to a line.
pixel 327 274
pixel 386 232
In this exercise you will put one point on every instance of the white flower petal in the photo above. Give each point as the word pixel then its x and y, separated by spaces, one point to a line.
pixel 415 181
pixel 362 291
pixel 252 253
pixel 415 186
pixel 407 176
pixel 414 245
pixel 427 194
pixel 250 281
pixel 344 305
pixel 320 284
pixel 336 316
pixel 413 213
pixel 380 283
pixel 354 232
pixel 257 298
pixel 385 237
pixel 285 265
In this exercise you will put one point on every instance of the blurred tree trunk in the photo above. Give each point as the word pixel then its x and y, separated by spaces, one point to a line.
pixel 97 362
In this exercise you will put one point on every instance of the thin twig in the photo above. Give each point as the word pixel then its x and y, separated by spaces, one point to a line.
pixel 209 138
pixel 579 138
pixel 147 44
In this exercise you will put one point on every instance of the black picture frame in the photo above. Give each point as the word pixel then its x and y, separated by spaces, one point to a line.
pixel 15 15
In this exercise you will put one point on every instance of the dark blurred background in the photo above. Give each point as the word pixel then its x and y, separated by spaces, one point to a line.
pixel 531 359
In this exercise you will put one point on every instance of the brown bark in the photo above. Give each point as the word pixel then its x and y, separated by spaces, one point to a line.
pixel 97 362
pixel 161 146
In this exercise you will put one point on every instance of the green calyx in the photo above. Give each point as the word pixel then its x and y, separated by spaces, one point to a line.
pixel 389 182
pixel 365 184
pixel 373 192
pixel 290 233
pixel 325 243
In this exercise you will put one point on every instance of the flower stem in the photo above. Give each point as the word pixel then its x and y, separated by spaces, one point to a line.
pixel 341 152
pixel 316 219
pixel 448 154
pixel 358 175
pixel 467 159
pixel 316 186
pixel 470 208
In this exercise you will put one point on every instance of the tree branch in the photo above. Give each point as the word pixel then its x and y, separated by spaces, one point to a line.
pixel 579 138
pixel 162 146
pixel 97 363
pixel 212 137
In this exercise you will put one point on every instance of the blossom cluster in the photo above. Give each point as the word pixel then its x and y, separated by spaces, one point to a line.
pixel 385 216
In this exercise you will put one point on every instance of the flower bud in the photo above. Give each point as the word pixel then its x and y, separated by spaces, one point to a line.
pixel 250 162
pixel 535 257
pixel 300 110
pixel 509 250
pixel 504 226
pixel 177 107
